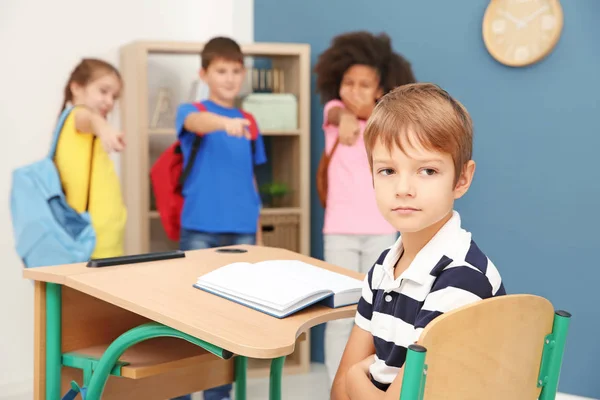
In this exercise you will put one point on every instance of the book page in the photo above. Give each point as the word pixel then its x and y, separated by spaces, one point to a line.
pixel 277 283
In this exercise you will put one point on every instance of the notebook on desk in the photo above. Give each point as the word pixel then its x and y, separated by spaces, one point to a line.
pixel 281 287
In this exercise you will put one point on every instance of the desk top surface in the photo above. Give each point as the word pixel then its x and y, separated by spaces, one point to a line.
pixel 162 291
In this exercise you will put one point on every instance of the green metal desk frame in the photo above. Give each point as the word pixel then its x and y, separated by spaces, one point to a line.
pixel 96 372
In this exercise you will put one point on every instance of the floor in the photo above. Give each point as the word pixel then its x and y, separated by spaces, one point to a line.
pixel 313 386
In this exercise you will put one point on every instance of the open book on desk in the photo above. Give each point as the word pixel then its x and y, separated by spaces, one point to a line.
pixel 281 287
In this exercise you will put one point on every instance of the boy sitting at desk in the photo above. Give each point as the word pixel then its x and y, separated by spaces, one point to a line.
pixel 221 202
pixel 419 145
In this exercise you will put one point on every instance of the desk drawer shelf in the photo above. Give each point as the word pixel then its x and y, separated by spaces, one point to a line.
pixel 152 357
pixel 162 355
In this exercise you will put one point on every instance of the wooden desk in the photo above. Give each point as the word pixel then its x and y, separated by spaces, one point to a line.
pixel 82 310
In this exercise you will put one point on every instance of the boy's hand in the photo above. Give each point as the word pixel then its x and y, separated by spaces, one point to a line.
pixel 363 366
pixel 349 129
pixel 112 139
pixel 357 373
pixel 237 127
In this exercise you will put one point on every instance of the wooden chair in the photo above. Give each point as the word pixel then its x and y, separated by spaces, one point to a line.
pixel 507 347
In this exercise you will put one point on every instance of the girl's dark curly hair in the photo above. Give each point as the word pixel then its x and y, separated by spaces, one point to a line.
pixel 362 48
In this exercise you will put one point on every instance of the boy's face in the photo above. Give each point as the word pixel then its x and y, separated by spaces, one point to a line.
pixel 224 78
pixel 415 189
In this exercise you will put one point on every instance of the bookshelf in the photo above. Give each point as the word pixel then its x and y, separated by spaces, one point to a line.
pixel 288 152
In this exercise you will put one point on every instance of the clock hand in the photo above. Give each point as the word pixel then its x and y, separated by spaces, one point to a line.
pixel 536 13
pixel 510 17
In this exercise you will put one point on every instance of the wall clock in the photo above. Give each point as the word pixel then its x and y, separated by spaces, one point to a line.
pixel 522 32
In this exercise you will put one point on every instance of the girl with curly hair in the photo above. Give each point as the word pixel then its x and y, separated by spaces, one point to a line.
pixel 352 74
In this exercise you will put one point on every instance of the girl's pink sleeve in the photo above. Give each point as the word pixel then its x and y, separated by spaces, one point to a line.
pixel 328 106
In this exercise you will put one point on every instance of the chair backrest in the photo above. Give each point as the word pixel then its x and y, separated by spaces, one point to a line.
pixel 491 349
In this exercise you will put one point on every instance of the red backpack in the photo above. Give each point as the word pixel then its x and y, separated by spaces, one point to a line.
pixel 168 176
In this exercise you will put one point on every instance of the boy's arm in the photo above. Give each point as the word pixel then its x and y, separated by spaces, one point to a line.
pixel 454 288
pixel 360 345
pixel 190 119
pixel 206 122
pixel 360 387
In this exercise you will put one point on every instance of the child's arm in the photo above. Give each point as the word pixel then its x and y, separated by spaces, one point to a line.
pixel 348 127
pixel 90 122
pixel 360 345
pixel 335 114
pixel 360 387
pixel 206 122
pixel 454 287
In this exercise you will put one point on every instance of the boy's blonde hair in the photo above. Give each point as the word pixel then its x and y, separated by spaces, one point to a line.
pixel 439 122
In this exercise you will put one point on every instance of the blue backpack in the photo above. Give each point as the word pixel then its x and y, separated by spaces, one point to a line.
pixel 47 231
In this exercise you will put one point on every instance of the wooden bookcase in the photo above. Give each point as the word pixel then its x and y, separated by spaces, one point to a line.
pixel 288 153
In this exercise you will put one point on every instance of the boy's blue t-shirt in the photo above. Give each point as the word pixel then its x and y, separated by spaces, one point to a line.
pixel 219 193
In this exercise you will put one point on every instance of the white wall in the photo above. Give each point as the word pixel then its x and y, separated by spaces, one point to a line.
pixel 40 42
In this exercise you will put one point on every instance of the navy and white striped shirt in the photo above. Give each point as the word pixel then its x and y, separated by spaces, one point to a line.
pixel 449 272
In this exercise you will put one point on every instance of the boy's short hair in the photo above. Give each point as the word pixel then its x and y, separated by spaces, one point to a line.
pixel 439 122
pixel 221 47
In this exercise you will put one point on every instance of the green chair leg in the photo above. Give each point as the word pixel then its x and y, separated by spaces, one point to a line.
pixel 87 374
pixel 275 378
pixel 554 349
pixel 415 373
pixel 133 337
pixel 53 340
pixel 241 366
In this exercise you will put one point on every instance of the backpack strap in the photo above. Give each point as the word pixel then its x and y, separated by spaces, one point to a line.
pixel 253 125
pixel 253 132
pixel 89 189
pixel 195 148
pixel 59 125
pixel 335 145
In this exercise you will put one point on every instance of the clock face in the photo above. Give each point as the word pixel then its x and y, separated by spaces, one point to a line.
pixel 521 32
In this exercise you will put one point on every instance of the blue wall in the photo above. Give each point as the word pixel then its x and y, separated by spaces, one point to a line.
pixel 534 205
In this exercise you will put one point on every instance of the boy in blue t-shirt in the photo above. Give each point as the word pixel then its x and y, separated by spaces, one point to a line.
pixel 221 202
